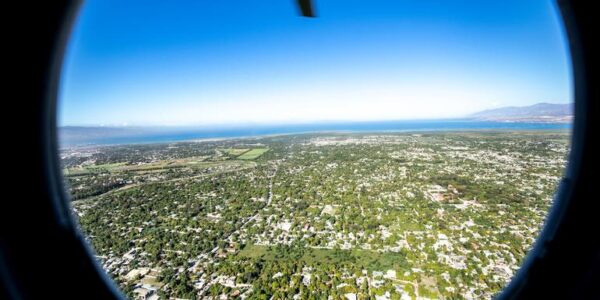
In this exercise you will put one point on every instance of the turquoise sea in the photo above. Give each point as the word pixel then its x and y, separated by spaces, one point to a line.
pixel 88 136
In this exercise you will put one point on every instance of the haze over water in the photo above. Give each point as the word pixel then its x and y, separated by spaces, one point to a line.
pixel 86 136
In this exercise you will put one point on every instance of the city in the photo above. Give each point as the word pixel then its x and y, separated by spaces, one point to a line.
pixel 427 215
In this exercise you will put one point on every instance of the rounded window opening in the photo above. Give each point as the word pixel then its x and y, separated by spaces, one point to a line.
pixel 394 150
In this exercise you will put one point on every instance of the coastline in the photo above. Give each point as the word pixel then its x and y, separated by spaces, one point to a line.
pixel 198 136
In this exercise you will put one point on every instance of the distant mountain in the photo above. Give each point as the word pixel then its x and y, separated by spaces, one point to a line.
pixel 540 112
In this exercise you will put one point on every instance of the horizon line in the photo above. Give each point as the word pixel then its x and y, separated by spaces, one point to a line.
pixel 469 116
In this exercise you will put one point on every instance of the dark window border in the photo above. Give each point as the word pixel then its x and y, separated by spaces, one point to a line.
pixel 43 255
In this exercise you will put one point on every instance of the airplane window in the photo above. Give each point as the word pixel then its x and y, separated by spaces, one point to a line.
pixel 386 150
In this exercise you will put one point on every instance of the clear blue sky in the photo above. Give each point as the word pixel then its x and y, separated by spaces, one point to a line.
pixel 210 62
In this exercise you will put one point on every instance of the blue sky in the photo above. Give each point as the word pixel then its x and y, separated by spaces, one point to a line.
pixel 213 62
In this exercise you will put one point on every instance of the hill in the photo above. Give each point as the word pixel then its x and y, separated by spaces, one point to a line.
pixel 540 112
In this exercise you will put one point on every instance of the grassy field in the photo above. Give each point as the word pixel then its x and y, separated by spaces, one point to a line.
pixel 235 151
pixel 253 154
pixel 366 259
pixel 197 162
pixel 94 169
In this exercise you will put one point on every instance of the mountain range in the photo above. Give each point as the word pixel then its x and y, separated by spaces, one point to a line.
pixel 540 112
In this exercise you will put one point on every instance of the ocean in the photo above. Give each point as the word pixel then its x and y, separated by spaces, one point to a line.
pixel 89 136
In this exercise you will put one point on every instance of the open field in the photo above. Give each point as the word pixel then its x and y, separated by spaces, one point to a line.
pixel 236 151
pixel 125 167
pixel 253 154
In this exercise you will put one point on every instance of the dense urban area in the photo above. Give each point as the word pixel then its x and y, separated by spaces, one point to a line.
pixel 425 215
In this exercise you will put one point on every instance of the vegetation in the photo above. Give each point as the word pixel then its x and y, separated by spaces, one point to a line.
pixel 253 154
pixel 387 216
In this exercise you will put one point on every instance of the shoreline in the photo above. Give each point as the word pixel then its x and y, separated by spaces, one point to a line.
pixel 318 132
